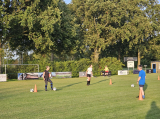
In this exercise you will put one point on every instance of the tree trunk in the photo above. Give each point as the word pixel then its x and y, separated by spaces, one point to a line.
pixel 0 56
pixel 119 50
pixel 96 54
pixel 139 58
pixel 52 57
pixel 119 54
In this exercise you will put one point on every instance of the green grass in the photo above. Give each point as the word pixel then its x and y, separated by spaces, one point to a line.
pixel 74 100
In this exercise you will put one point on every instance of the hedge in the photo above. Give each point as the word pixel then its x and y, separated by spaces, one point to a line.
pixel 72 66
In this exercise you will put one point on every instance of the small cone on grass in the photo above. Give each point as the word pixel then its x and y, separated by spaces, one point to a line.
pixel 158 77
pixel 35 88
pixel 140 95
pixel 110 82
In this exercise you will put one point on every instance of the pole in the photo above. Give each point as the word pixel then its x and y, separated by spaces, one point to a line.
pixel 22 57
pixel 38 67
pixel 5 68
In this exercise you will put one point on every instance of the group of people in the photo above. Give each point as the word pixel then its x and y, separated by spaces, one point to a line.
pixel 89 73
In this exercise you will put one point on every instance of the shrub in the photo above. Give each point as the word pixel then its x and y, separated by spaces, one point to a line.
pixel 113 64
pixel 72 66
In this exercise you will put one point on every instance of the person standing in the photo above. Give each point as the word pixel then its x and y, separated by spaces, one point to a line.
pixel 141 80
pixel 46 76
pixel 89 74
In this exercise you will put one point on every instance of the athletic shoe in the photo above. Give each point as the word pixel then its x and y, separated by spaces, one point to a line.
pixel 137 97
pixel 45 90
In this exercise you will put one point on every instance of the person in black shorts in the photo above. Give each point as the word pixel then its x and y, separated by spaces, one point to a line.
pixel 46 76
pixel 89 74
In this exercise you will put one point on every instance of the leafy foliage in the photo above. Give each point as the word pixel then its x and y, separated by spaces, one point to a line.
pixel 112 63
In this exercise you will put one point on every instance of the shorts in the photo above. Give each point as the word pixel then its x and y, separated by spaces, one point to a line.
pixel 88 75
pixel 47 80
pixel 141 85
pixel 106 71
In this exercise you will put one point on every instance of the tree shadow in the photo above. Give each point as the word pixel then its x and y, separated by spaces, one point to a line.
pixel 154 112
pixel 145 87
pixel 100 81
pixel 40 90
pixel 69 85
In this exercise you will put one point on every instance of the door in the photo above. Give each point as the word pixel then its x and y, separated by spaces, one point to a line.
pixel 154 68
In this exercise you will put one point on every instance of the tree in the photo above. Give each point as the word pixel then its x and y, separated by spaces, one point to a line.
pixel 153 13
pixel 42 26
pixel 65 32
pixel 3 27
pixel 106 23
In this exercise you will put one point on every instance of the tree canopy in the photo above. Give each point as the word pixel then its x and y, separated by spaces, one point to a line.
pixel 83 29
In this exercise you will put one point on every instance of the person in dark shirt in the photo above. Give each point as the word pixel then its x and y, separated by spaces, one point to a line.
pixel 46 76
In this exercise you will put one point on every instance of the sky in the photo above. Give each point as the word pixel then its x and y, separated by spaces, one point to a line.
pixel 68 1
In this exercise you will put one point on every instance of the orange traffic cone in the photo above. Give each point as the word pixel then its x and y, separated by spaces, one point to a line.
pixel 35 88
pixel 140 95
pixel 110 82
pixel 158 77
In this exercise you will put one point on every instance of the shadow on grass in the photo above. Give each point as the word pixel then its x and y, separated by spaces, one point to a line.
pixel 9 80
pixel 40 90
pixel 69 85
pixel 154 112
pixel 100 81
pixel 145 87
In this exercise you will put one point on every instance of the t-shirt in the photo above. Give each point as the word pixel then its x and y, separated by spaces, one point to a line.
pixel 106 69
pixel 46 75
pixel 89 70
pixel 142 74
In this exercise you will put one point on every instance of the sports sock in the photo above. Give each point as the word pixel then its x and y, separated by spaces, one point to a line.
pixel 143 96
pixel 89 82
pixel 52 86
pixel 45 87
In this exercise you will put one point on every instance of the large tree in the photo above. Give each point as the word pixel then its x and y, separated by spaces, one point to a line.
pixel 153 13
pixel 42 26
pixel 105 23
pixel 142 28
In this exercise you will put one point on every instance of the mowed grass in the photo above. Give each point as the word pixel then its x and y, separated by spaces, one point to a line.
pixel 74 100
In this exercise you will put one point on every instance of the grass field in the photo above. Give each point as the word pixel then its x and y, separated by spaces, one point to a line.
pixel 74 100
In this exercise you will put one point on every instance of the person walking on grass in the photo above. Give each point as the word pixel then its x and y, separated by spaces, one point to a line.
pixel 141 80
pixel 46 76
pixel 89 74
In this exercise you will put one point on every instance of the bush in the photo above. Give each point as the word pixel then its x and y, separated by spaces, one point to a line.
pixel 72 66
pixel 113 64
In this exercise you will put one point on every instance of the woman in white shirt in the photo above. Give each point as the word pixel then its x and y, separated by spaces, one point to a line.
pixel 89 74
